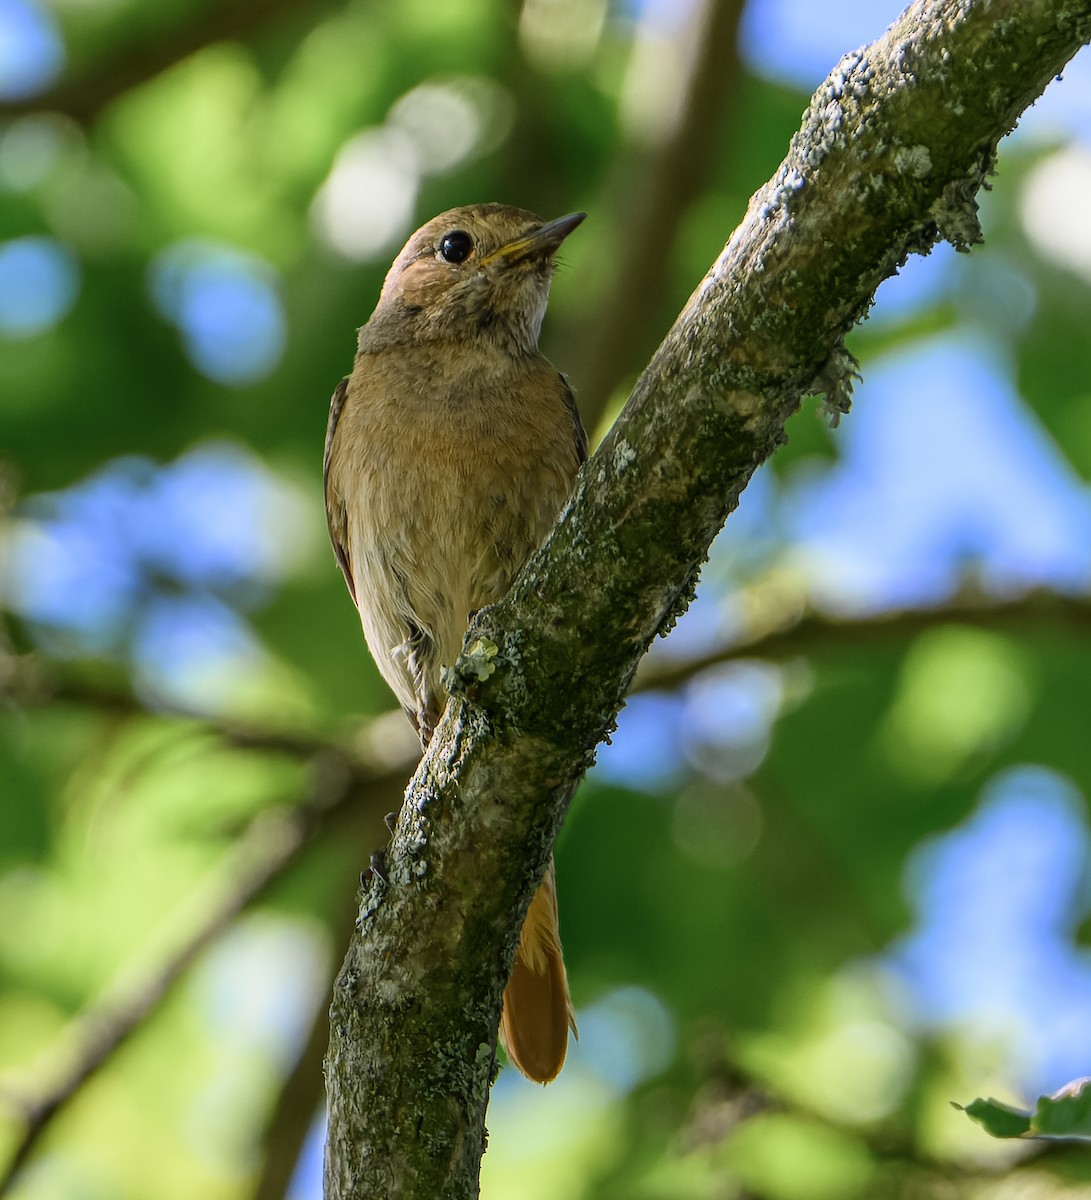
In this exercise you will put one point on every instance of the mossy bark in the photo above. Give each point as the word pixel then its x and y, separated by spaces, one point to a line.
pixel 892 150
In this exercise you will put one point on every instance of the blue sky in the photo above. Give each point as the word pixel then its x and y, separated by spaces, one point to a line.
pixel 991 953
pixel 31 50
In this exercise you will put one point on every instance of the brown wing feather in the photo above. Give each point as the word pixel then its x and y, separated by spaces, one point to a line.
pixel 336 512
pixel 578 431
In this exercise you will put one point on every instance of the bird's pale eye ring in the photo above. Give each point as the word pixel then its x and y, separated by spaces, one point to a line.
pixel 455 247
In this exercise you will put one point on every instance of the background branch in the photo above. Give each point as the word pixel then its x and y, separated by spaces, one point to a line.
pixel 776 622
pixel 780 627
pixel 671 172
pixel 270 845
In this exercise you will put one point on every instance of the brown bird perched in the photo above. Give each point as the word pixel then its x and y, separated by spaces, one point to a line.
pixel 450 450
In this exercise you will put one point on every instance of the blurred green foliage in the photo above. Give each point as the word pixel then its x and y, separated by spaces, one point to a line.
pixel 726 916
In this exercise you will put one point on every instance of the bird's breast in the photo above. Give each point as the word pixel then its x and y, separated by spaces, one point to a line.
pixel 451 484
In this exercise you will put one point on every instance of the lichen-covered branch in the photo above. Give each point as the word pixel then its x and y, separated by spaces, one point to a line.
pixel 892 150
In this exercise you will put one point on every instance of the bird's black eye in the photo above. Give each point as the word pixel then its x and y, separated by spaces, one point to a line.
pixel 455 246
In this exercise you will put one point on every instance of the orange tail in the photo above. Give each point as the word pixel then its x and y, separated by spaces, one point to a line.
pixel 537 1009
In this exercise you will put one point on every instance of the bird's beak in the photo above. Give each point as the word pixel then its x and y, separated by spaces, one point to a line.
pixel 541 243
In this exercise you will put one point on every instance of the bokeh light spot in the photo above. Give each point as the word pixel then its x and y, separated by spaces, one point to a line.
pixel 226 305
pixel 365 207
pixel 626 1037
pixel 218 519
pixel 191 651
pixel 992 953
pixel 1053 209
pixel 31 51
pixel 67 569
pixel 30 149
pixel 261 983
pixel 962 692
pixel 453 119
pixel 154 564
pixel 561 34
pixel 729 717
pixel 717 826
pixel 39 280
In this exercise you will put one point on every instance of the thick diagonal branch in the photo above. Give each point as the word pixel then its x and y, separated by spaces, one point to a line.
pixel 892 150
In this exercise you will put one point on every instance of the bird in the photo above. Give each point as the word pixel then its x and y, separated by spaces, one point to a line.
pixel 450 450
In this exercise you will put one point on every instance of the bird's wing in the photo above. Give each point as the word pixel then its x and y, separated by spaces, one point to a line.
pixel 336 512
pixel 578 431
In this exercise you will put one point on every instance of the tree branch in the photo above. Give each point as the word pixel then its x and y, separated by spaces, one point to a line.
pixel 779 623
pixel 892 150
pixel 784 628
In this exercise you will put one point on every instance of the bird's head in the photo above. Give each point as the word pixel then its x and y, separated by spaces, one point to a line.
pixel 482 271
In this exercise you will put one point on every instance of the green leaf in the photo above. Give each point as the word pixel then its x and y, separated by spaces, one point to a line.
pixel 1000 1120
pixel 1065 1114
